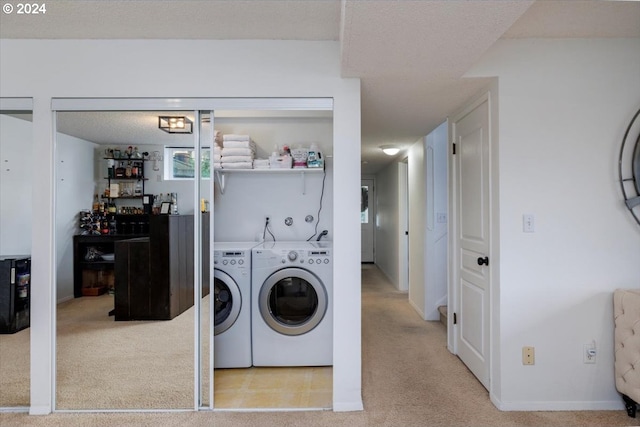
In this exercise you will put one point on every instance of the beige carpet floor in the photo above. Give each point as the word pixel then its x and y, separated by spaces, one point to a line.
pixel 409 379
pixel 14 369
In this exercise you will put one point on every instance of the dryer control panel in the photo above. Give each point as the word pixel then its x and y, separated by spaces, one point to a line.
pixel 299 256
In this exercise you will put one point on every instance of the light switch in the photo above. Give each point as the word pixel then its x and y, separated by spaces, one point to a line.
pixel 528 223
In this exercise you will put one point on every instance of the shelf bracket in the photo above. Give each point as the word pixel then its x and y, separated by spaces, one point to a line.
pixel 220 176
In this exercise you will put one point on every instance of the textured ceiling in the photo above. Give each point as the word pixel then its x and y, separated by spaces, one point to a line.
pixel 183 19
pixel 410 55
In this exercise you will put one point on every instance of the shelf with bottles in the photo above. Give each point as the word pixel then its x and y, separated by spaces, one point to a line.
pixel 125 174
pixel 125 168
pixel 133 189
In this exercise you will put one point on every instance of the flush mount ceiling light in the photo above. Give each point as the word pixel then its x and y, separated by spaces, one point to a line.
pixel 178 124
pixel 390 150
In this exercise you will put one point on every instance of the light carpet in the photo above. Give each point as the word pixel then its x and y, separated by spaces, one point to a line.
pixel 409 379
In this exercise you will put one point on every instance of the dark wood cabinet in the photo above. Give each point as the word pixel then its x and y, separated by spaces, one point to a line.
pixel 153 275
pixel 171 255
pixel 93 272
pixel 134 297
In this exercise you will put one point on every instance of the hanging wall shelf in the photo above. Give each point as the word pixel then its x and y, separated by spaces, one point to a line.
pixel 222 173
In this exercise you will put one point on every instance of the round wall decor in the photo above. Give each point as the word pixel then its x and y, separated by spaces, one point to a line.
pixel 629 167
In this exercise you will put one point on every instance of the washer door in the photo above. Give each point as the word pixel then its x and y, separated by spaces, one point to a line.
pixel 227 301
pixel 292 301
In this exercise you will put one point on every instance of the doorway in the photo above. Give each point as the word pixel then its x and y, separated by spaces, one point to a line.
pixel 367 220
pixel 403 253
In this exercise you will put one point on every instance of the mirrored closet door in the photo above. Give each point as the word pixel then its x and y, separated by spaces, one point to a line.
pixel 16 137
pixel 125 225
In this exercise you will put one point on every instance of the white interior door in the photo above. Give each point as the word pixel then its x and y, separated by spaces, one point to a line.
pixel 472 139
pixel 367 220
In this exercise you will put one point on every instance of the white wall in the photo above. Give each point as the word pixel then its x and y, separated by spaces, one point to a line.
pixel 248 198
pixel 141 68
pixel 417 226
pixel 436 246
pixel 75 189
pixel 388 222
pixel 16 136
pixel 564 106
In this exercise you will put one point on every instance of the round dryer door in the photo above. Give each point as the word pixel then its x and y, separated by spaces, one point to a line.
pixel 226 301
pixel 292 301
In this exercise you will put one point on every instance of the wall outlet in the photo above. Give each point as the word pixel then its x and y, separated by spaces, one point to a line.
pixel 528 223
pixel 528 356
pixel 589 353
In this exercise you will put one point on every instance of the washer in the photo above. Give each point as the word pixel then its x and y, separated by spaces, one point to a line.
pixel 292 306
pixel 232 301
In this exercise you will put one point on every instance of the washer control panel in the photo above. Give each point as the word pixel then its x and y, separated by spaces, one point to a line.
pixel 223 258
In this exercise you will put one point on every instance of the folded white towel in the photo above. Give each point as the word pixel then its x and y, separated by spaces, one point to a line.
pixel 237 152
pixel 239 144
pixel 237 159
pixel 217 150
pixel 217 157
pixel 235 137
pixel 217 165
pixel 238 165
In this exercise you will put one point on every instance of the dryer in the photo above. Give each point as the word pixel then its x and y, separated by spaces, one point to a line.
pixel 231 300
pixel 292 306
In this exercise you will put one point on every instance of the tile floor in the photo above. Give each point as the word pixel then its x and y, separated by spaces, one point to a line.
pixel 297 387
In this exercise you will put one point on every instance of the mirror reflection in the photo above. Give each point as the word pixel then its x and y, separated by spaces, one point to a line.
pixel 125 285
pixel 15 260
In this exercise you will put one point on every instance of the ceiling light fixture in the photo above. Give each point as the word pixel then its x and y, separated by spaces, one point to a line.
pixel 390 150
pixel 178 124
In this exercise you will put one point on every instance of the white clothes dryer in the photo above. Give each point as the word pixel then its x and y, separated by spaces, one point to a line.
pixel 231 301
pixel 292 306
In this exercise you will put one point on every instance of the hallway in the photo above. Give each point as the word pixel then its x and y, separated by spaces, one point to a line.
pixel 409 379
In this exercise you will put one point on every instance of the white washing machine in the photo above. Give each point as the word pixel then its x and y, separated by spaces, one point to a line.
pixel 231 299
pixel 292 304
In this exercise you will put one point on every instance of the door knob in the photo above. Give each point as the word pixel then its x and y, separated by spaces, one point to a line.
pixel 484 260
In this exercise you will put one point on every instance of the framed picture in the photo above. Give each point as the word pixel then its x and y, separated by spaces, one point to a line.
pixel 165 208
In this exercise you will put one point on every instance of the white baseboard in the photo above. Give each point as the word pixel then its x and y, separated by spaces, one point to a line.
pixel 565 405
pixel 15 409
pixel 40 410
pixel 415 307
pixel 64 299
pixel 348 406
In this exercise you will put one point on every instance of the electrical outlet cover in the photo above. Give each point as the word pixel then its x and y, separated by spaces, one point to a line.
pixel 528 356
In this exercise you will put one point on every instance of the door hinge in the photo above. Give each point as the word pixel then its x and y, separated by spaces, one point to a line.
pixel 454 148
pixel 455 319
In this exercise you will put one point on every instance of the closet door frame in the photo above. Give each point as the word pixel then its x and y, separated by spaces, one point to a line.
pixel 198 106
